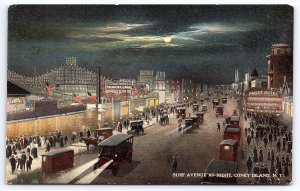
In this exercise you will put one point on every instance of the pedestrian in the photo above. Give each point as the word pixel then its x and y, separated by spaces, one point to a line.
pixel 66 139
pixel 219 127
pixel 270 137
pixel 255 155
pixel 80 134
pixel 261 155
pixel 248 139
pixel 246 131
pixel 243 153
pixel 19 160
pixel 265 139
pixel 264 170
pixel 289 147
pixel 73 137
pixel 249 164
pixel 272 169
pixel 48 146
pixel 61 141
pixel 278 145
pixel 29 162
pixel 88 133
pixel 28 149
pixel 256 172
pixel 269 154
pixel 252 134
pixel 279 169
pixel 283 143
pixel 13 163
pixel 23 157
pixel 175 162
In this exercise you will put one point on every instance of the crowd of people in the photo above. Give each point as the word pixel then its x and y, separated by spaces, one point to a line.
pixel 268 150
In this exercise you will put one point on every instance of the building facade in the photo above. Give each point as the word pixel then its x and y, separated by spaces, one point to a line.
pixel 280 65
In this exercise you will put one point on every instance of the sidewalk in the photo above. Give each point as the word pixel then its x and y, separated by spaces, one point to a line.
pixel 78 147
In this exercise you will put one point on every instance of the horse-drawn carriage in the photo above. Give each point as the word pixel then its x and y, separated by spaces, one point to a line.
pixel 136 127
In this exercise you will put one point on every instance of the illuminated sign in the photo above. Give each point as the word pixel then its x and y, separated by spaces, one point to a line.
pixel 118 87
pixel 16 101
pixel 260 100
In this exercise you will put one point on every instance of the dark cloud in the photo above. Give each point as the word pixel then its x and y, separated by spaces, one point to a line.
pixel 203 39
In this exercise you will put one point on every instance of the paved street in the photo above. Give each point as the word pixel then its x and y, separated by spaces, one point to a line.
pixel 153 152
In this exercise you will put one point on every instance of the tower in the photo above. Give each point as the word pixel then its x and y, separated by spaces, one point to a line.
pixel 280 64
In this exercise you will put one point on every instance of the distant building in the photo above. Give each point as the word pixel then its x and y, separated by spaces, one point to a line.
pixel 119 88
pixel 174 91
pixel 257 81
pixel 160 86
pixel 146 77
pixel 280 64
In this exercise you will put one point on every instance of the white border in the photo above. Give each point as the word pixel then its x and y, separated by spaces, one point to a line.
pixel 3 70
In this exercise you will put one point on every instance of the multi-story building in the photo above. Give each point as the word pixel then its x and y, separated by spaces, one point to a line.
pixel 174 91
pixel 146 78
pixel 258 81
pixel 280 66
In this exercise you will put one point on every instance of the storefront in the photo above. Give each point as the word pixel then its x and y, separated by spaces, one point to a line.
pixel 125 108
pixel 152 102
pixel 260 101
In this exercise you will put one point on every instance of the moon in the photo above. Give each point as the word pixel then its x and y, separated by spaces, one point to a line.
pixel 167 39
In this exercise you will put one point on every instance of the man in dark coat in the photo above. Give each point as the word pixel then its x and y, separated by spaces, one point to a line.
pixel 88 133
pixel 249 164
pixel 261 155
pixel 23 157
pixel 255 155
pixel 13 163
pixel 278 145
pixel 283 143
pixel 29 162
pixel 48 145
pixel 61 141
pixel 80 134
pixel 256 171
pixel 66 139
pixel 265 139
pixel 249 139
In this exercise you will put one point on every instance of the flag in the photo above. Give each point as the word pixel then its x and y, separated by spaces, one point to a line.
pixel 135 91
pixel 48 88
pixel 91 97
pixel 76 99
pixel 145 90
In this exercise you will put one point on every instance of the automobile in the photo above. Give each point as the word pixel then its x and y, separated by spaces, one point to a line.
pixel 190 124
pixel 200 116
pixel 232 132
pixel 224 100
pixel 195 107
pixel 118 148
pixel 219 111
pixel 220 167
pixel 228 150
pixel 216 102
pixel 204 108
pixel 136 127
pixel 180 111
pixel 235 120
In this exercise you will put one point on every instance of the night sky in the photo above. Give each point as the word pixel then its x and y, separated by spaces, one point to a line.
pixel 203 43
